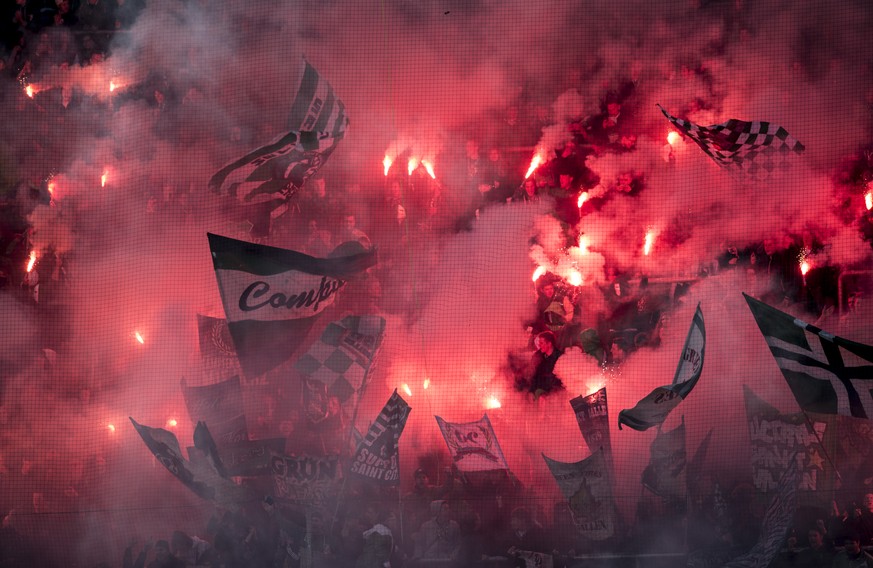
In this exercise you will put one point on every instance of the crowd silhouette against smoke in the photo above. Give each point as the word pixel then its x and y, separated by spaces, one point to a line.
pixel 539 230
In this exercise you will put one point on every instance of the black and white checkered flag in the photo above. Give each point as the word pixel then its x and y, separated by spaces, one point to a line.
pixel 757 148
pixel 826 373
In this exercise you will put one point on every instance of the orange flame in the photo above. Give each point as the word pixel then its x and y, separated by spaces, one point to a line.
pixel 650 240
pixel 429 168
pixel 31 261
pixel 406 389
pixel 426 383
pixel 412 165
pixel 575 278
pixel 583 197
pixel 537 273
pixel 673 137
pixel 139 337
pixel 868 200
pixel 103 178
pixel 492 402
pixel 171 423
pixel 534 164
pixel 386 163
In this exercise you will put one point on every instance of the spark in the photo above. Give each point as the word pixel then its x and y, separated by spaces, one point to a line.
pixel 583 197
pixel 31 261
pixel 537 273
pixel 406 389
pixel 429 168
pixel 534 164
pixel 139 337
pixel 492 403
pixel 673 137
pixel 386 163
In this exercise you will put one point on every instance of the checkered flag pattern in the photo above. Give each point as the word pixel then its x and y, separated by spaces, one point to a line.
pixel 757 148
pixel 343 355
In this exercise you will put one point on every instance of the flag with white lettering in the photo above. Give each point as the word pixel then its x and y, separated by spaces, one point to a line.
pixel 777 520
pixel 473 445
pixel 250 458
pixel 654 408
pixel 220 406
pixel 341 358
pixel 587 487
pixel 272 296
pixel 826 373
pixel 273 173
pixel 592 415
pixel 305 480
pixel 758 148
pixel 377 457
pixel 666 473
pixel 777 439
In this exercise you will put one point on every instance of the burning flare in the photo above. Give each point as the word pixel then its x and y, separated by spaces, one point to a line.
pixel 139 337
pixel 492 402
pixel 584 243
pixel 426 383
pixel 111 428
pixel 804 267
pixel 30 90
pixel 406 389
pixel 171 423
pixel 537 273
pixel 386 163
pixel 650 240
pixel 31 261
pixel 103 178
pixel 575 278
pixel 583 197
pixel 673 137
pixel 429 168
pixel 868 200
pixel 412 165
pixel 534 164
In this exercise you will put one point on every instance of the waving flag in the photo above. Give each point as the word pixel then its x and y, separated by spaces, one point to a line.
pixel 377 457
pixel 271 174
pixel 473 445
pixel 273 296
pixel 586 486
pixel 654 408
pixel 217 355
pixel 592 415
pixel 666 473
pixel 739 143
pixel 220 406
pixel 826 373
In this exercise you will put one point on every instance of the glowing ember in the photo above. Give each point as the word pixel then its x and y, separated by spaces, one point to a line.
pixel 673 137
pixel 804 267
pixel 575 278
pixel 650 240
pixel 103 178
pixel 492 402
pixel 386 163
pixel 32 260
pixel 111 428
pixel 171 423
pixel 30 91
pixel 406 389
pixel 583 197
pixel 868 200
pixel 537 273
pixel 429 168
pixel 534 164
pixel 584 243
pixel 426 384
pixel 139 337
pixel 412 165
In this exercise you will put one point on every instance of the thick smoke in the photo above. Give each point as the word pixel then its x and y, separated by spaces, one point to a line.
pixel 197 84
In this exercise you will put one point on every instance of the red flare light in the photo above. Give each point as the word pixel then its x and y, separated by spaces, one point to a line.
pixel 650 240
pixel 171 423
pixel 575 278
pixel 584 243
pixel 534 164
pixel 673 137
pixel 51 188
pixel 386 163
pixel 139 337
pixel 583 197
pixel 31 261
pixel 804 267
pixel 111 428
pixel 412 165
pixel 425 384
pixel 537 273
pixel 492 402
pixel 103 178
pixel 429 168
pixel 114 84
pixel 868 200
pixel 406 389
pixel 30 90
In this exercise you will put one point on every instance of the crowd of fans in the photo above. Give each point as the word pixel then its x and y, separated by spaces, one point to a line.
pixel 485 519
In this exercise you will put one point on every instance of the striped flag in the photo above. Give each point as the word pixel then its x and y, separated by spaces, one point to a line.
pixel 826 373
pixel 738 143
pixel 654 408
pixel 271 174
pixel 272 296
pixel 377 457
